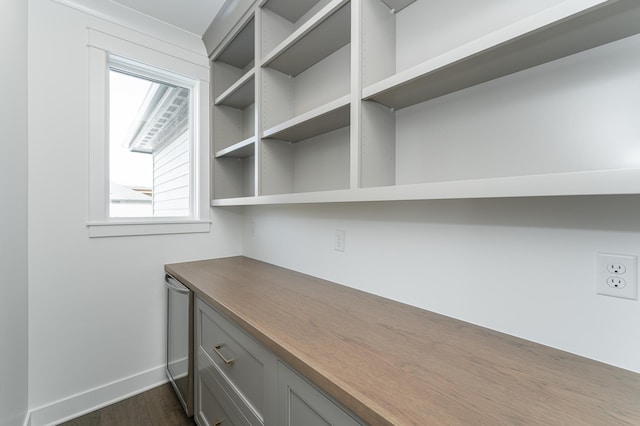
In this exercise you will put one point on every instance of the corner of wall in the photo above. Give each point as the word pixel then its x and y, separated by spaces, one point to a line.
pixel 93 399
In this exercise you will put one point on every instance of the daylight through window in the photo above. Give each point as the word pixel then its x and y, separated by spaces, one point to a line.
pixel 150 159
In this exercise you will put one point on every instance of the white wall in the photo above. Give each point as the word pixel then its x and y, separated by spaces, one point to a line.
pixel 97 306
pixel 522 266
pixel 13 214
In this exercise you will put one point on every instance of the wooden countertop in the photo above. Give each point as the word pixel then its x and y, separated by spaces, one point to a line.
pixel 391 363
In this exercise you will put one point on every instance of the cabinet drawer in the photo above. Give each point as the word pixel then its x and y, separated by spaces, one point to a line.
pixel 300 403
pixel 214 407
pixel 242 364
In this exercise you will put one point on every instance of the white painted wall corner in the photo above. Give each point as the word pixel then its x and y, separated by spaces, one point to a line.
pixel 93 399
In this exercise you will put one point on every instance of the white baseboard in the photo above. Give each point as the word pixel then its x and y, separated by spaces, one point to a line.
pixel 93 399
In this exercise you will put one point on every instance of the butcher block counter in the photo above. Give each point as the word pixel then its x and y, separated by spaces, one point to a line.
pixel 390 363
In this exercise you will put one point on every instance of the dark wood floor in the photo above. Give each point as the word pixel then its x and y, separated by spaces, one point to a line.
pixel 156 407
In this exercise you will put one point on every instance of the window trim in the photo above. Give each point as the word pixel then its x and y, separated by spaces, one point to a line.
pixel 105 49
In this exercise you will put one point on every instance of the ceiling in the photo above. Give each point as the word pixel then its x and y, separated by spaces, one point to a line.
pixel 191 15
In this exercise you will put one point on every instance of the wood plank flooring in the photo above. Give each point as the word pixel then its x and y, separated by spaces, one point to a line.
pixel 156 407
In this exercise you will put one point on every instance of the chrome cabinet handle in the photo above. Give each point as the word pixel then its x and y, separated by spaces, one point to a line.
pixel 228 361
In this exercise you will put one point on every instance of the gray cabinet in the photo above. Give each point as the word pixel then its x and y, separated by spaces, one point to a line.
pixel 213 406
pixel 240 372
pixel 240 382
pixel 300 403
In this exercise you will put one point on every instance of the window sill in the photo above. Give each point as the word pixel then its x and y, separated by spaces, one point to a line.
pixel 146 227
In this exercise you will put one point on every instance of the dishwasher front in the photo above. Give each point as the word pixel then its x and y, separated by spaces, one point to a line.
pixel 180 341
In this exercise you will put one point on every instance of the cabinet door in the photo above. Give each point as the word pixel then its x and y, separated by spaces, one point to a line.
pixel 300 403
pixel 213 406
pixel 245 370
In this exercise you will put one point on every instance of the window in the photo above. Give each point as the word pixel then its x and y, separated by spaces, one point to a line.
pixel 149 143
pixel 148 138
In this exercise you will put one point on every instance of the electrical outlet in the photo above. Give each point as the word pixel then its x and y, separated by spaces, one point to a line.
pixel 616 268
pixel 617 276
pixel 339 240
pixel 616 282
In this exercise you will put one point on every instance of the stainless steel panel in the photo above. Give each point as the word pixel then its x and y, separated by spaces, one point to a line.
pixel 180 341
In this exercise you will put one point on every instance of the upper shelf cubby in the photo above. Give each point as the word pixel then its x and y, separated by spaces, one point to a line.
pixel 241 94
pixel 240 50
pixel 397 5
pixel 320 29
pixel 233 68
pixel 482 50
pixel 293 11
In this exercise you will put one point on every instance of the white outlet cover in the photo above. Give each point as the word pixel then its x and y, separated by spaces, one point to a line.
pixel 339 240
pixel 629 275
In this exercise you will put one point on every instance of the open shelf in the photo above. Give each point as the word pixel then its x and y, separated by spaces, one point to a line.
pixel 323 119
pixel 599 182
pixel 397 5
pixel 317 38
pixel 241 94
pixel 242 149
pixel 285 99
pixel 574 114
pixel 233 113
pixel 560 31
pixel 233 178
pixel 239 52
pixel 318 163
pixel 501 99
pixel 232 126
pixel 233 69
pixel 292 11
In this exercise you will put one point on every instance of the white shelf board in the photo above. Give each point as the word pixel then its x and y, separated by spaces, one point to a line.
pixel 290 10
pixel 240 50
pixel 571 27
pixel 331 116
pixel 326 32
pixel 242 149
pixel 241 94
pixel 600 182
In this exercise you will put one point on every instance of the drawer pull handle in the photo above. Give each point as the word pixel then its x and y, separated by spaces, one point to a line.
pixel 227 361
pixel 218 422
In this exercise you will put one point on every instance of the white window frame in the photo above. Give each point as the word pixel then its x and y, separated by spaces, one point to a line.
pixel 152 55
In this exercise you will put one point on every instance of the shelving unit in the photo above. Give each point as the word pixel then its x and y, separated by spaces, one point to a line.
pixel 233 115
pixel 484 107
pixel 550 34
pixel 306 100
pixel 530 98
pixel 310 69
